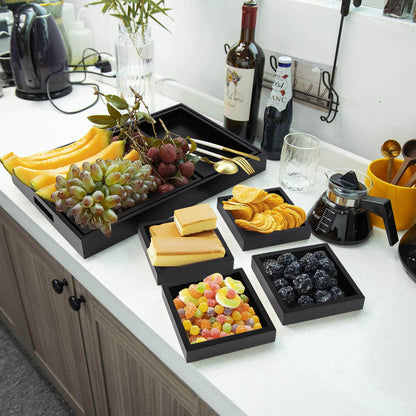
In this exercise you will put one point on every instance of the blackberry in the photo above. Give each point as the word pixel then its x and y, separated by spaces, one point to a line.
pixel 322 296
pixel 292 270
pixel 334 281
pixel 288 295
pixel 322 279
pixel 305 300
pixel 273 268
pixel 286 258
pixel 320 254
pixel 303 284
pixel 309 262
pixel 328 266
pixel 280 282
pixel 336 293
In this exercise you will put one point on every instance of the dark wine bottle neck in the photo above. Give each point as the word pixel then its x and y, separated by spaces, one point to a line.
pixel 247 34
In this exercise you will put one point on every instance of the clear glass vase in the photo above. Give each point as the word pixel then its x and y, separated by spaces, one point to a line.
pixel 134 55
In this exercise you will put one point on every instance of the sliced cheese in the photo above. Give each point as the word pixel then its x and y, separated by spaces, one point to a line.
pixel 169 229
pixel 194 219
pixel 179 251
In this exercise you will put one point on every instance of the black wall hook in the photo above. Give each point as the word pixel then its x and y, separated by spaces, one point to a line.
pixel 327 78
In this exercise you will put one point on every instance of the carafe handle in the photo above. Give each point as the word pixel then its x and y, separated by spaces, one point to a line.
pixel 382 208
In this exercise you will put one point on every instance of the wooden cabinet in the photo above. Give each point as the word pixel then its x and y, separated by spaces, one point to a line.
pixel 128 378
pixel 99 367
pixel 11 307
pixel 55 330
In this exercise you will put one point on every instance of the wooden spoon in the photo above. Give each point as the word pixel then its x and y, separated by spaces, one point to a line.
pixel 409 158
pixel 390 149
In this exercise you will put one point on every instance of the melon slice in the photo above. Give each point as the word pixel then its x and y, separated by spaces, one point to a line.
pixel 60 150
pixel 93 146
pixel 112 151
pixel 132 155
pixel 46 192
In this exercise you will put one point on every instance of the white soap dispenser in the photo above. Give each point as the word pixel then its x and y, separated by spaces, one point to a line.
pixel 80 38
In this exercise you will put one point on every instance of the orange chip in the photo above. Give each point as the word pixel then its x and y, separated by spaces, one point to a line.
pixel 246 194
pixel 273 200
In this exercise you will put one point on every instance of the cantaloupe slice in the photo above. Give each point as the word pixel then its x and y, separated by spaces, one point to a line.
pixel 60 150
pixel 93 146
pixel 132 155
pixel 112 151
pixel 46 192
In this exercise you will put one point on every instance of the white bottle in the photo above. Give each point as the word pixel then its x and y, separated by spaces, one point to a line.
pixel 80 39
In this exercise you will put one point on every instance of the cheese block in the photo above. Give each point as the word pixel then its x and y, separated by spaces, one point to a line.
pixel 169 229
pixel 179 251
pixel 194 219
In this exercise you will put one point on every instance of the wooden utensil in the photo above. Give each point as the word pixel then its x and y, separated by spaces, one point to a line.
pixel 409 158
pixel 390 149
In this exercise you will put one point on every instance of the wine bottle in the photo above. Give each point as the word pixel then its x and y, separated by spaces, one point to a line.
pixel 279 110
pixel 244 75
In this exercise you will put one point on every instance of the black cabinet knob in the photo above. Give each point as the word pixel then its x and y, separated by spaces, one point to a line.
pixel 75 303
pixel 58 285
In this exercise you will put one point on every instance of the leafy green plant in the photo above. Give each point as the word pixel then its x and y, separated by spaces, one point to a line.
pixel 134 14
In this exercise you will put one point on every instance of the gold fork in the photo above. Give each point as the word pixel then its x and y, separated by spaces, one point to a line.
pixel 244 164
pixel 238 160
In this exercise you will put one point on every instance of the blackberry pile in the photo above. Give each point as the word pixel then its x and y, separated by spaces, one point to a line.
pixel 312 278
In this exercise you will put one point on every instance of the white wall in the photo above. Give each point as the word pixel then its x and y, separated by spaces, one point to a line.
pixel 375 77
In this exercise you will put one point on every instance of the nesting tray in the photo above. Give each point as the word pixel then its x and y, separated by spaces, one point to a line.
pixel 171 275
pixel 212 348
pixel 249 240
pixel 181 120
pixel 352 301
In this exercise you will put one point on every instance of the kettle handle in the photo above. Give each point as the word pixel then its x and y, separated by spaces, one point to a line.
pixel 24 44
pixel 382 208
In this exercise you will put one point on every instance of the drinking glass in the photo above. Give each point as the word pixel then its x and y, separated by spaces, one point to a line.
pixel 299 161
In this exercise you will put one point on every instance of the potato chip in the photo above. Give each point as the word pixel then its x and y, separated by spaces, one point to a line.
pixel 273 200
pixel 246 194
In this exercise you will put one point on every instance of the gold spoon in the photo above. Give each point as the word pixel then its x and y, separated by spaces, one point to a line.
pixel 225 167
pixel 390 149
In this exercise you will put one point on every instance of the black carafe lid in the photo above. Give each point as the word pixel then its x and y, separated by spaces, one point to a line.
pixel 348 180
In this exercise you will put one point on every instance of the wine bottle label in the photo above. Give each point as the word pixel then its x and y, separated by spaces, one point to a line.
pixel 282 89
pixel 237 94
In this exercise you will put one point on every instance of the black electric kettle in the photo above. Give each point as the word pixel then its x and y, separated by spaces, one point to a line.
pixel 38 55
pixel 341 214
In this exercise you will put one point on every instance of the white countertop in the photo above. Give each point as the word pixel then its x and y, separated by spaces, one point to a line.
pixel 358 363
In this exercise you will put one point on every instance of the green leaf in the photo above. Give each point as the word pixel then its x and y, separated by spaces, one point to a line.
pixel 102 120
pixel 191 158
pixel 149 119
pixel 116 115
pixel 140 115
pixel 117 101
pixel 193 145
pixel 124 119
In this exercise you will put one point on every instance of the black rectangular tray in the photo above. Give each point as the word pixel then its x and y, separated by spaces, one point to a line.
pixel 179 119
pixel 212 348
pixel 353 300
pixel 249 240
pixel 171 275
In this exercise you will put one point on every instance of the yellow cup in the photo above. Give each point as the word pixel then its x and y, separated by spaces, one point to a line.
pixel 402 198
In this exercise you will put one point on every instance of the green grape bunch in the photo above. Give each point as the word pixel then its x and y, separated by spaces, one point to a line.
pixel 92 195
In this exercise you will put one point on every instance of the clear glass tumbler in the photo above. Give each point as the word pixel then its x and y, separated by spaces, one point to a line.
pixel 299 161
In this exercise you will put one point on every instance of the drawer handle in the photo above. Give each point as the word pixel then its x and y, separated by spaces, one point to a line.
pixel 58 286
pixel 75 303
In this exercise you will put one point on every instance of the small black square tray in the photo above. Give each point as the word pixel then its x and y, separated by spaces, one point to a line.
pixel 212 348
pixel 171 275
pixel 249 240
pixel 353 300
pixel 181 120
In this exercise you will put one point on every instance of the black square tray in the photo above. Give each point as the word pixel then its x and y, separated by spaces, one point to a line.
pixel 249 240
pixel 179 119
pixel 176 275
pixel 353 300
pixel 212 348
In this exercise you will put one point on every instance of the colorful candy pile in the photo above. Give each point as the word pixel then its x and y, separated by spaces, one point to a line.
pixel 215 308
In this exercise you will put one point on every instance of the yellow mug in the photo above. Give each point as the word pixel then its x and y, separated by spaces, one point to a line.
pixel 402 198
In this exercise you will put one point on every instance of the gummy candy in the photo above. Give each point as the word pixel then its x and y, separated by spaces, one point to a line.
pixel 245 315
pixel 206 332
pixel 223 334
pixel 203 307
pixel 200 287
pixel 219 308
pixel 202 299
pixel 231 293
pixel 227 311
pixel 194 330
pixel 211 302
pixel 190 310
pixel 210 312
pixel 209 294
pixel 240 329
pixel 215 333
pixel 186 297
pixel 178 303
pixel 198 313
pixel 257 325
pixel 250 322
pixel 221 318
pixel 236 315
pixel 226 327
pixel 193 292
pixel 181 312
pixel 216 324
pixel 244 297
pixel 222 299
pixel 234 284
pixel 206 324
pixel 187 324
pixel 200 339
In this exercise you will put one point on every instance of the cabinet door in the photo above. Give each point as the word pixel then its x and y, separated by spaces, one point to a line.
pixel 54 327
pixel 127 379
pixel 11 308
